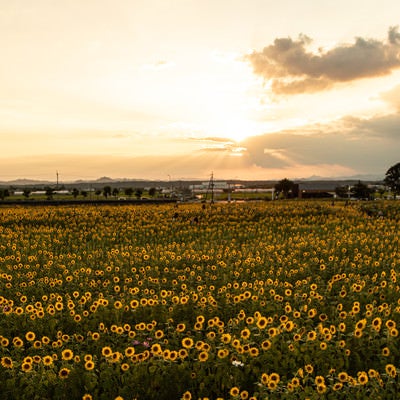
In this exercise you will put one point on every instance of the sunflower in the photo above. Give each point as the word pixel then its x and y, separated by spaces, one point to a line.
pixel 30 336
pixel 234 391
pixel 295 382
pixel 253 351
pixel 266 345
pixel 156 349
pixel 182 353
pixel 106 351
pixel 226 338
pixel 309 368
pixel 385 351
pixel 361 324
pixel 26 366
pixel 64 373
pixel 321 389
pixel 362 378
pixel 343 377
pixel 124 367
pixel 6 362
pixel 129 351
pixel 187 396
pixel 187 343
pixel 245 333
pixel 47 360
pixel 274 377
pixel 337 386
pixel 372 373
pixel 67 354
pixel 393 332
pixel 203 356
pixel 87 397
pixel 159 334
pixel 390 324
pixel 391 370
pixel 311 335
pixel 173 355
pixel 222 353
pixel 89 365
pixel 37 344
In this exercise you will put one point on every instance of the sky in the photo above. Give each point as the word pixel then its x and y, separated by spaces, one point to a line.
pixel 181 89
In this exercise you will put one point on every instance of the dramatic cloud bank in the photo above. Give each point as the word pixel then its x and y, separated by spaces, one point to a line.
pixel 292 69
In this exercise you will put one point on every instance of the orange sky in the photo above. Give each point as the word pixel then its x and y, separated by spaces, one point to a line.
pixel 251 89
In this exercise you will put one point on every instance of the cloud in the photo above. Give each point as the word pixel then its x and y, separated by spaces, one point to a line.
pixel 364 146
pixel 293 69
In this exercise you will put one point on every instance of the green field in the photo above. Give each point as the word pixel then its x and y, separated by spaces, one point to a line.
pixel 261 300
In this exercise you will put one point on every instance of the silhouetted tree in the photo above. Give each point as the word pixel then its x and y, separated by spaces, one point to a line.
pixel 84 193
pixel 128 191
pixel 49 193
pixel 75 192
pixel 115 192
pixel 138 193
pixel 26 192
pixel 392 179
pixel 284 186
pixel 4 193
pixel 107 191
pixel 361 191
pixel 342 191
pixel 152 191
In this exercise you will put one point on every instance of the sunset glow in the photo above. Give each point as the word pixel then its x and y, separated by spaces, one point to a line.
pixel 206 81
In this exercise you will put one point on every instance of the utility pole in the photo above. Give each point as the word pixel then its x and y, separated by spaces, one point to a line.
pixel 57 180
pixel 212 187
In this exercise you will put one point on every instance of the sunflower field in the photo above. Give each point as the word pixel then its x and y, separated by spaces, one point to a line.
pixel 257 300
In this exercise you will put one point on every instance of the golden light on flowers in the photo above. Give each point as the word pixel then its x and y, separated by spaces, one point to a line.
pixel 178 309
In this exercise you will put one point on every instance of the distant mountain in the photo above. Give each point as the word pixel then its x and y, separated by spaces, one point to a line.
pixel 104 179
pixel 126 182
pixel 26 182
pixel 359 177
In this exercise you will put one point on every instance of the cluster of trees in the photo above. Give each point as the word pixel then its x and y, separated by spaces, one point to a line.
pixel 358 191
pixel 288 188
pixel 392 179
pixel 138 192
